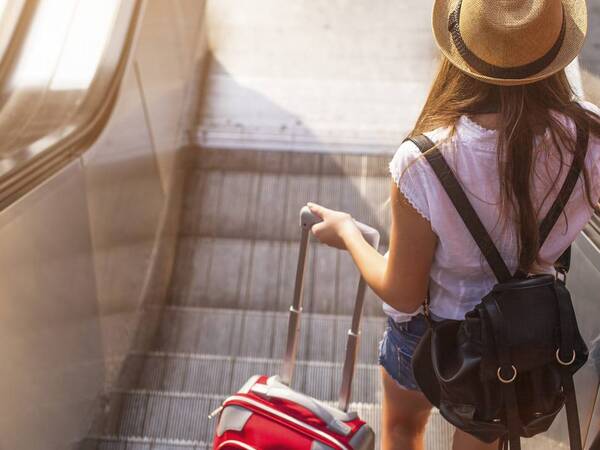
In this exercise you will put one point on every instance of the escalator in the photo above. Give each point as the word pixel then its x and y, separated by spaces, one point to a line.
pixel 226 316
pixel 266 143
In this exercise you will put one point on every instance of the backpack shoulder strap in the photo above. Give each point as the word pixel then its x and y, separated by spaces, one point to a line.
pixel 561 200
pixel 463 206
pixel 471 219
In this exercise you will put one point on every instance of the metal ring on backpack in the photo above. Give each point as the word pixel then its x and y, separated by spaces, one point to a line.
pixel 561 362
pixel 504 380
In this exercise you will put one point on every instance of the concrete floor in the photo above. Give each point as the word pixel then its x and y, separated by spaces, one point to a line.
pixel 329 75
pixel 316 75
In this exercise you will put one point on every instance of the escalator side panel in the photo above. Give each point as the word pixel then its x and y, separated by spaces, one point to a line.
pixel 50 329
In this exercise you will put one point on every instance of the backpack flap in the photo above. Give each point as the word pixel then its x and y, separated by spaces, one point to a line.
pixel 531 343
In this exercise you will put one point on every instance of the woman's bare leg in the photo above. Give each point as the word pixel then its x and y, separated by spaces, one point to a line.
pixel 464 441
pixel 404 416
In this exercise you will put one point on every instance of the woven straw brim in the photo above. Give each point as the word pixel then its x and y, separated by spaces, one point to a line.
pixel 576 29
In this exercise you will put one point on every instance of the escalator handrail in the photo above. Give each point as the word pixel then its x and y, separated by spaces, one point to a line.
pixel 30 173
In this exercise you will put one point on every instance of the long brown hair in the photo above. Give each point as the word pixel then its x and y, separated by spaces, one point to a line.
pixel 524 112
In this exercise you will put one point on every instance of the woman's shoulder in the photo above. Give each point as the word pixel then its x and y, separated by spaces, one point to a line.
pixel 412 174
pixel 408 154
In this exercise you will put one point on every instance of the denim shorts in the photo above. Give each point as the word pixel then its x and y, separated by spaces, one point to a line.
pixel 398 346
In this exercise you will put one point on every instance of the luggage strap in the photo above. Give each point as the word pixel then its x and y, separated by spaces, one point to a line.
pixel 472 221
pixel 507 373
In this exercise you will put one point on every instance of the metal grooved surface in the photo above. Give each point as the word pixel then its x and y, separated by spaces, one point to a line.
pixel 260 334
pixel 226 317
pixel 233 283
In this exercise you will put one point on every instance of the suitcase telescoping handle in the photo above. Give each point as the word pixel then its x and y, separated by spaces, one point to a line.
pixel 307 220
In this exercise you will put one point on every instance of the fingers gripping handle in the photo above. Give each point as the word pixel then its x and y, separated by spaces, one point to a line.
pixel 371 235
pixel 308 219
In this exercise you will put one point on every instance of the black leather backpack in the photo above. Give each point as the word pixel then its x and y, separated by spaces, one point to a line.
pixel 506 370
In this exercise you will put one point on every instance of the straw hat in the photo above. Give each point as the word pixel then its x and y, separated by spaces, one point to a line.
pixel 510 42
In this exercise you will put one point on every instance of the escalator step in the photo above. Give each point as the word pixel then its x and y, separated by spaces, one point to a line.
pixel 260 334
pixel 437 437
pixel 251 205
pixel 223 375
pixel 177 416
pixel 260 275
pixel 291 162
pixel 108 443
pixel 181 420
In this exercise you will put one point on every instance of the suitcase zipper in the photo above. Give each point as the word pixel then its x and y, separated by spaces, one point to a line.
pixel 235 399
pixel 215 412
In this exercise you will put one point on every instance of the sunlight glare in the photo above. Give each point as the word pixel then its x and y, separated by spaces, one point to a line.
pixel 3 4
pixel 90 31
pixel 42 47
pixel 65 44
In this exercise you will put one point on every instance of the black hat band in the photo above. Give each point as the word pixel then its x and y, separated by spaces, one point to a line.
pixel 493 71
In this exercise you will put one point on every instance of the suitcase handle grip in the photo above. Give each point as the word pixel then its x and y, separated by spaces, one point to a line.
pixel 371 235
pixel 308 219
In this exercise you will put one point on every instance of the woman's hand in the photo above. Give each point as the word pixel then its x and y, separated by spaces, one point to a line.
pixel 336 227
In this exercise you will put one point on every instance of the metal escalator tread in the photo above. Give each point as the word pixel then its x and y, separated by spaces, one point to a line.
pixel 119 443
pixel 181 416
pixel 165 395
pixel 259 274
pixel 294 162
pixel 437 437
pixel 264 191
pixel 252 197
pixel 201 355
pixel 175 419
pixel 261 334
pixel 226 318
pixel 221 375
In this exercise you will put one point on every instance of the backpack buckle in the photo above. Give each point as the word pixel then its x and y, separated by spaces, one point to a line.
pixel 564 363
pixel 507 380
pixel 561 275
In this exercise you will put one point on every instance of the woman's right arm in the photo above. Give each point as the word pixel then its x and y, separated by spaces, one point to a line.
pixel 411 254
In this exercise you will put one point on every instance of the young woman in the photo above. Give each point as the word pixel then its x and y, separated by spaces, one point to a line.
pixel 503 115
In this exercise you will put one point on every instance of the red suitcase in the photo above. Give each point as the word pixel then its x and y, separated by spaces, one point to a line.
pixel 266 414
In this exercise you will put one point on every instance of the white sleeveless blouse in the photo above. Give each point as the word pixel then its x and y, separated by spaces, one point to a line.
pixel 459 276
